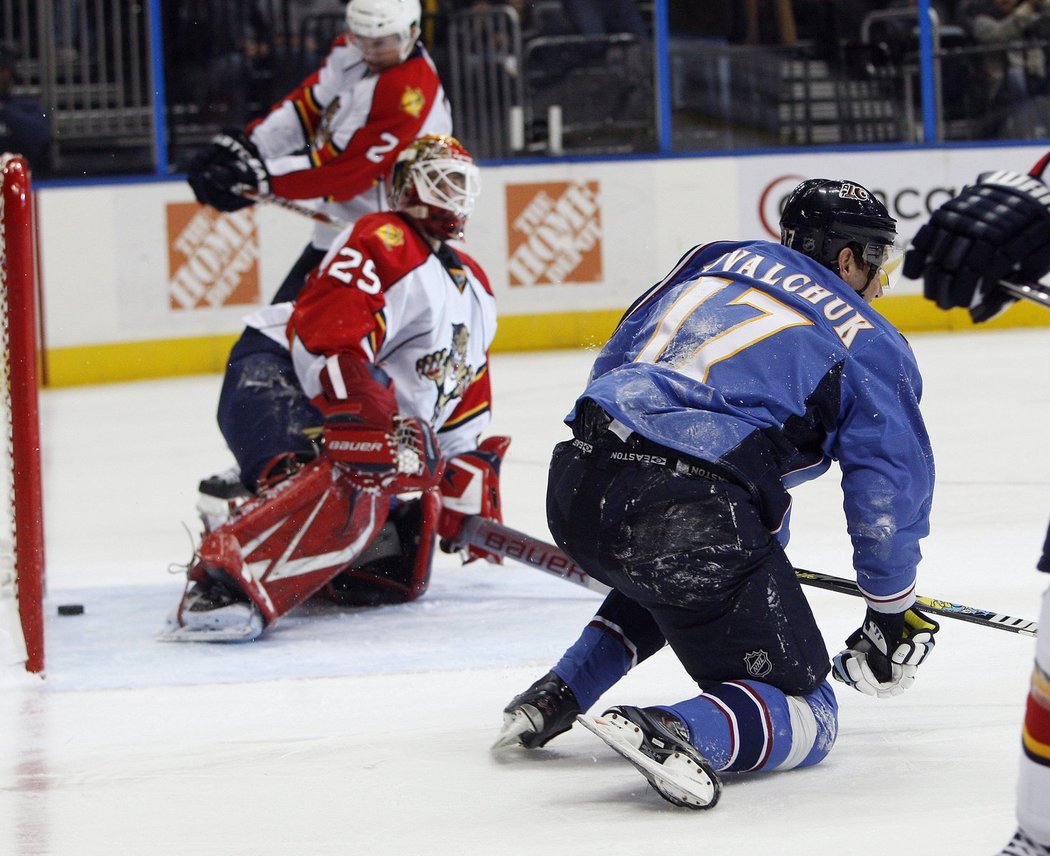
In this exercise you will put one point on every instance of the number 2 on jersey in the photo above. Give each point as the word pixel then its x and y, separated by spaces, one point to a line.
pixel 725 338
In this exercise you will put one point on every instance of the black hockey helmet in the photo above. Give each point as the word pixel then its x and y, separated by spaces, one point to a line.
pixel 822 216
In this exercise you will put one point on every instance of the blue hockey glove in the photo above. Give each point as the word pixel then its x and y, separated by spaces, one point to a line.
pixel 997 229
pixel 229 165
pixel 883 655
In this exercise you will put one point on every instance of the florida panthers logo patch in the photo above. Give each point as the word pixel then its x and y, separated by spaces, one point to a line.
pixel 758 663
pixel 390 235
pixel 413 101
pixel 448 369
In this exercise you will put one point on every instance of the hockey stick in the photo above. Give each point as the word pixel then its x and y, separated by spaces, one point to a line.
pixel 496 538
pixel 1036 292
pixel 291 205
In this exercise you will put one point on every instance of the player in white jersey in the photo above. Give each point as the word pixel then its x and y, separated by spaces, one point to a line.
pixel 339 406
pixel 332 139
pixel 994 232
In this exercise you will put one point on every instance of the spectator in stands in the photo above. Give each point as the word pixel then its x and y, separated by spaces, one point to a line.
pixel 595 17
pixel 24 126
pixel 1017 72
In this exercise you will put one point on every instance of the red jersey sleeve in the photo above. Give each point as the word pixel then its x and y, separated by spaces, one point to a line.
pixel 401 100
pixel 341 307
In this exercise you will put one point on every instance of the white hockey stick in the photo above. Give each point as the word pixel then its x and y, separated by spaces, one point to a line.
pixel 503 541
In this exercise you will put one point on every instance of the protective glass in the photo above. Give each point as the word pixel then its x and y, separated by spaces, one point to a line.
pixel 452 185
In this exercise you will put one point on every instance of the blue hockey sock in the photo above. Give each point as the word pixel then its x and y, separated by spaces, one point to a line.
pixel 596 661
pixel 748 725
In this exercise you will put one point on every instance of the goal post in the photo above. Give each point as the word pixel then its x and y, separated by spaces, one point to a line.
pixel 22 532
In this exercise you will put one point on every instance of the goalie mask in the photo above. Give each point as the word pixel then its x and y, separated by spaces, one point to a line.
pixel 821 217
pixel 381 27
pixel 435 183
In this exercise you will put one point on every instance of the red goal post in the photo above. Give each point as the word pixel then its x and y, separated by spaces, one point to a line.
pixel 22 533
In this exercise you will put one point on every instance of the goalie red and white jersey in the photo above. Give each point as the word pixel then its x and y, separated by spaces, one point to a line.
pixel 427 319
pixel 336 136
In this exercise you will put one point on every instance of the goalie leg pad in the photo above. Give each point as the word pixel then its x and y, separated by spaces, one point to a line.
pixel 280 547
pixel 396 568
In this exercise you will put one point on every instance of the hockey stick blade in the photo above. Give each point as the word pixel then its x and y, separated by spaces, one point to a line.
pixel 503 541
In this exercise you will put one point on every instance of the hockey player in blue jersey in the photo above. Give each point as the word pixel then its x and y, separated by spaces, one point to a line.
pixel 747 370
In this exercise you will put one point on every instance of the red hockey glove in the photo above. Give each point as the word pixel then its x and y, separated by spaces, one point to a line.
pixel 364 432
pixel 883 655
pixel 471 487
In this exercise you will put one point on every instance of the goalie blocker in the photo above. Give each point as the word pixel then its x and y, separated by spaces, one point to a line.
pixel 326 528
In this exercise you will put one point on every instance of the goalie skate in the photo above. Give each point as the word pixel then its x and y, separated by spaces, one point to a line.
pixel 677 772
pixel 210 612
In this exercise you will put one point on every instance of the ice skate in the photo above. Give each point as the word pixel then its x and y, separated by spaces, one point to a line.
pixel 1022 845
pixel 212 612
pixel 218 496
pixel 655 743
pixel 545 710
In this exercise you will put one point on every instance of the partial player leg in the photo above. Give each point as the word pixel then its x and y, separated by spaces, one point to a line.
pixel 657 745
pixel 741 726
pixel 263 411
pixel 621 635
pixel 1033 785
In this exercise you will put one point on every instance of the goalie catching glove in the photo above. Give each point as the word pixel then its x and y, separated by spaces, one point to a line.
pixel 883 655
pixel 997 229
pixel 470 487
pixel 229 166
pixel 364 432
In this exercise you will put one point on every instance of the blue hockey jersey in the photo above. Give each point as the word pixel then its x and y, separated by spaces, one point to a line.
pixel 755 358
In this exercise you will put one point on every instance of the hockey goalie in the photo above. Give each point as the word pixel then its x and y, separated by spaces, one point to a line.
pixel 354 416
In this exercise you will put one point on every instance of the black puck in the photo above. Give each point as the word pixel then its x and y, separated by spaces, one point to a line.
pixel 71 609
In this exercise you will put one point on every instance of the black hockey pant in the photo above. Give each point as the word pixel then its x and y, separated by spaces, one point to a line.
pixel 697 556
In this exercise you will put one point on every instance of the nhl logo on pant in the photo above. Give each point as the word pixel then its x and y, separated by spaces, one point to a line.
pixel 758 663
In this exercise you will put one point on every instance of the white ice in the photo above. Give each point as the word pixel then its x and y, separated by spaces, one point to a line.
pixel 367 732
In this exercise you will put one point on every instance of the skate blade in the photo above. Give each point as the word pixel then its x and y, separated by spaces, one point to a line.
pixel 679 780
pixel 174 632
pixel 514 726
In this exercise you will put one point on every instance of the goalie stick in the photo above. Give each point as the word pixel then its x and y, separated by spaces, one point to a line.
pixel 496 538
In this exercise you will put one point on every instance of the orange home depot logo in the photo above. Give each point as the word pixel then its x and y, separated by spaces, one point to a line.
pixel 554 233
pixel 213 259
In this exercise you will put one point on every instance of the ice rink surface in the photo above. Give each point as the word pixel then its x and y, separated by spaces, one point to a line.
pixel 367 732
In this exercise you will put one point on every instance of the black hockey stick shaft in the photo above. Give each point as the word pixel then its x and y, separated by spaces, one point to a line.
pixel 509 543
pixel 293 206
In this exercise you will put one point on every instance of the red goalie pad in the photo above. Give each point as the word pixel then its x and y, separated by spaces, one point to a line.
pixel 282 546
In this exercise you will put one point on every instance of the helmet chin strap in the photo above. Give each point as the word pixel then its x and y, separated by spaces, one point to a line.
pixel 873 271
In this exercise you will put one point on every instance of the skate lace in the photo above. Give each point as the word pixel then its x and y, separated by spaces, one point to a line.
pixel 1022 845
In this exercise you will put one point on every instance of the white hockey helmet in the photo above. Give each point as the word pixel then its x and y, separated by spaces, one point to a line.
pixel 435 182
pixel 373 19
